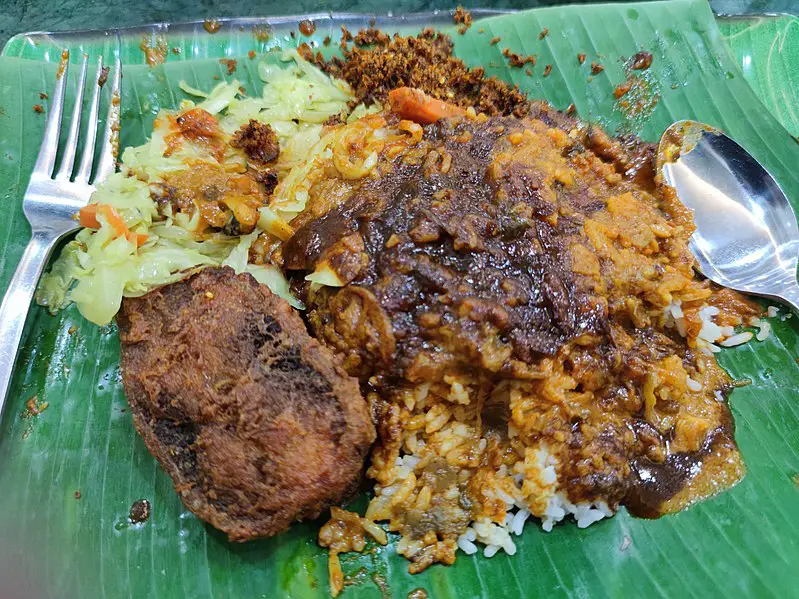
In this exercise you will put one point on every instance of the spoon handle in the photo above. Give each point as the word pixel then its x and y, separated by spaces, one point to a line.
pixel 791 296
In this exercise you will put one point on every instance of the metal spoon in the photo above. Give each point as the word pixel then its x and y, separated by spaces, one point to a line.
pixel 746 234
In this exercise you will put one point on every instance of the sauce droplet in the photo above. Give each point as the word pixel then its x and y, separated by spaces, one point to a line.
pixel 139 511
pixel 307 27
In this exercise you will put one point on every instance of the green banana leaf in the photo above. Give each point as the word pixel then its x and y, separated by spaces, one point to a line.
pixel 69 475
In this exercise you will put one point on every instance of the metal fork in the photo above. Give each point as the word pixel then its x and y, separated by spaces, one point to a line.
pixel 52 199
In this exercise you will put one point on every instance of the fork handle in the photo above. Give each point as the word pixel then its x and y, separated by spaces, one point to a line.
pixel 14 309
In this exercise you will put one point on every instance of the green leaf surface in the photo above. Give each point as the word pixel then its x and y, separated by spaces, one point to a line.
pixel 766 50
pixel 744 542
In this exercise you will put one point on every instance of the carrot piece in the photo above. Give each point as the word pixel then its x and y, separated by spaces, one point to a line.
pixel 414 105
pixel 113 218
pixel 137 239
pixel 87 216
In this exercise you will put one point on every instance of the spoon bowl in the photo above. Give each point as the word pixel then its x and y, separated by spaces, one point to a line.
pixel 746 235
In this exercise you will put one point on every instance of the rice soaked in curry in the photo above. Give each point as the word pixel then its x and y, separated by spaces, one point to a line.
pixel 505 290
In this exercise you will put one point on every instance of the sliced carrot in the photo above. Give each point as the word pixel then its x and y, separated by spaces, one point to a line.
pixel 87 217
pixel 113 218
pixel 414 105
pixel 137 238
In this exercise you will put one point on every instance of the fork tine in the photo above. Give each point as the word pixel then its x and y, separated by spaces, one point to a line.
pixel 110 148
pixel 86 159
pixel 46 159
pixel 68 161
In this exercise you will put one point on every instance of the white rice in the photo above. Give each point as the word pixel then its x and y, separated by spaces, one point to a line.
pixel 692 384
pixel 584 513
pixel 738 339
pixel 498 537
pixel 711 334
pixel 710 331
pixel 466 541
pixel 518 520
pixel 494 537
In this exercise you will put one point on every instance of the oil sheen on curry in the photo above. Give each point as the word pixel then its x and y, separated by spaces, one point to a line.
pixel 502 287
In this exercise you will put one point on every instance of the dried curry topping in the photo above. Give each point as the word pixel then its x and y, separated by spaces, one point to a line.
pixel 424 62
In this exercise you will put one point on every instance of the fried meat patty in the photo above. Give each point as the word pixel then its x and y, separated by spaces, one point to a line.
pixel 255 421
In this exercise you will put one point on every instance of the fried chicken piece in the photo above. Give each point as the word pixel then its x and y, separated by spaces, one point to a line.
pixel 255 421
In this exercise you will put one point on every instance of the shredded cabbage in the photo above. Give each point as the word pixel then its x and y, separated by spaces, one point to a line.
pixel 192 91
pixel 270 275
pixel 100 266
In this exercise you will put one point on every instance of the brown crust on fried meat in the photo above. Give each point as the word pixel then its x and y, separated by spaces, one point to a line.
pixel 255 421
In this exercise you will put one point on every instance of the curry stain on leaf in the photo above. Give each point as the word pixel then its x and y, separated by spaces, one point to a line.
pixel 33 408
pixel 636 98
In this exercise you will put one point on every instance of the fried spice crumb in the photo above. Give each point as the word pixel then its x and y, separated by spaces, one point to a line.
pixel 641 61
pixel 517 61
pixel 101 80
pixel 462 17
pixel 571 109
pixel 481 30
pixel 77 495
pixel 327 40
pixel 261 33
pixel 621 89
pixel 544 33
pixel 346 36
pixel 596 68
pixel 139 511
pixel 307 53
pixel 371 37
pixel 175 50
pixel 333 120
pixel 251 54
pixel 211 25
pixel 230 63
pixel 72 330
pixel 426 62
pixel 547 70
pixel 43 96
pixel 38 108
pixel 581 58
pixel 495 40
pixel 528 72
pixel 258 141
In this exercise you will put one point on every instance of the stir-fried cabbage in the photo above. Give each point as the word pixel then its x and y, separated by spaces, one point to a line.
pixel 101 265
